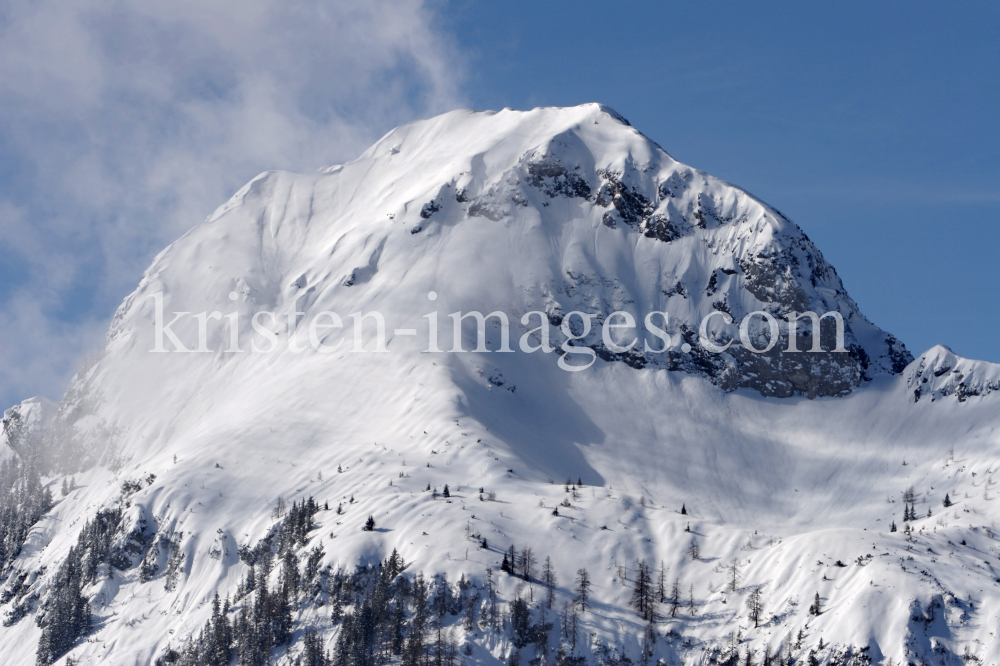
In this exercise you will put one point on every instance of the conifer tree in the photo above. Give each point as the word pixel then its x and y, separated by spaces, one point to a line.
pixel 642 593
pixel 68 616
pixel 675 597
pixel 290 573
pixel 816 607
pixel 219 637
pixel 582 588
pixel 337 610
pixel 469 619
pixel 520 622
pixel 733 574
pixel 312 653
pixel 527 562
pixel 413 654
pixel 549 580
pixel 755 604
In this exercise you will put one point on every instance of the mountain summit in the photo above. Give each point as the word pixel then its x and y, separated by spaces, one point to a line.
pixel 291 451
pixel 554 210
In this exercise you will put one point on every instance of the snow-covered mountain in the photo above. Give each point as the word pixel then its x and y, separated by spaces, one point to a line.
pixel 165 478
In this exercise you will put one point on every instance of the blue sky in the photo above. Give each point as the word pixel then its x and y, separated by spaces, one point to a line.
pixel 874 126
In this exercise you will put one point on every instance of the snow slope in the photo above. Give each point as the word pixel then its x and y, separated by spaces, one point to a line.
pixel 787 463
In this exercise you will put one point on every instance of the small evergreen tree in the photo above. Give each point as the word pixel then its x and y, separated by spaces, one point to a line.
pixel 370 524
pixel 675 597
pixel 582 588
pixel 755 604
pixel 520 622
pixel 733 576
pixel 549 580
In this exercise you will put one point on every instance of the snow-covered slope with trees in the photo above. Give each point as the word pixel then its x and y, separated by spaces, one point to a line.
pixel 750 487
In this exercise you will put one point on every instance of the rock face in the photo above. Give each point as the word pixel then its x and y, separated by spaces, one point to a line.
pixel 941 373
pixel 23 425
pixel 692 244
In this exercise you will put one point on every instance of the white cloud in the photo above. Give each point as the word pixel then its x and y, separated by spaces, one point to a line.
pixel 125 123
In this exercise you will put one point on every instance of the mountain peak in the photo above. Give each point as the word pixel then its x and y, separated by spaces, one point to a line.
pixel 557 209
pixel 939 373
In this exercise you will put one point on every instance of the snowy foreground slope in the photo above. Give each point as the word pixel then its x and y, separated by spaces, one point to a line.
pixel 792 469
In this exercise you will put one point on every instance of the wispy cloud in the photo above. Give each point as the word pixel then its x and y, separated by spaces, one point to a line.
pixel 125 123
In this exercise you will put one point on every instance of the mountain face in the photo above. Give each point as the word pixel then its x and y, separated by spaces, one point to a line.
pixel 558 210
pixel 345 499
pixel 24 425
pixel 940 373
